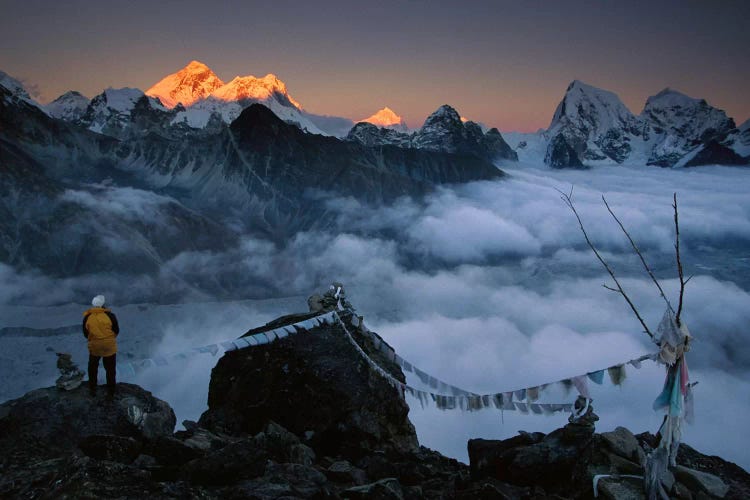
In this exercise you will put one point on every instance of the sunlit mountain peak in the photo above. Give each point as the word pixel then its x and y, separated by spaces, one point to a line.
pixel 189 85
pixel 251 87
pixel 386 117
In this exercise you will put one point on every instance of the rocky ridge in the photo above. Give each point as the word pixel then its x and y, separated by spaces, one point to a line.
pixel 443 131
pixel 307 417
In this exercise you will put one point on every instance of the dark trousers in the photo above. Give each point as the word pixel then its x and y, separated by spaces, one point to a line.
pixel 109 367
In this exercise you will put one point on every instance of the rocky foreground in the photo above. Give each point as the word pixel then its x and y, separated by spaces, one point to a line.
pixel 307 417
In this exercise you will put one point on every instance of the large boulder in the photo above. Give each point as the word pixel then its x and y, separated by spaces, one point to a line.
pixel 48 421
pixel 316 385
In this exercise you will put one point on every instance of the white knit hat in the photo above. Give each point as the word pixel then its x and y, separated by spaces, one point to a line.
pixel 98 301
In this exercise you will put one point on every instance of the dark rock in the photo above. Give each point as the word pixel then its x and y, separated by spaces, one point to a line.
pixel 622 442
pixel 621 488
pixel 283 446
pixel 701 481
pixel 714 153
pixel 681 492
pixel 59 420
pixel 561 155
pixel 312 382
pixel 284 481
pixel 378 466
pixel 344 472
pixel 171 451
pixel 489 458
pixel 370 135
pixel 492 489
pixel 203 440
pixel 233 463
pixel 108 447
pixel 385 489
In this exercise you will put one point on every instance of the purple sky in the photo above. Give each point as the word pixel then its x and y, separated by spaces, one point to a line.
pixel 506 64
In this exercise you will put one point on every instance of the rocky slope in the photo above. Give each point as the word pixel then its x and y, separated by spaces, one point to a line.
pixel 307 417
pixel 443 131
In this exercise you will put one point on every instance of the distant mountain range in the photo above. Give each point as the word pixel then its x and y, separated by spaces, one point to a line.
pixel 123 185
pixel 590 126
pixel 129 180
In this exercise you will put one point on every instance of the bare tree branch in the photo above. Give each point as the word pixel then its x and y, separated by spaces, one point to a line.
pixel 679 262
pixel 640 255
pixel 567 198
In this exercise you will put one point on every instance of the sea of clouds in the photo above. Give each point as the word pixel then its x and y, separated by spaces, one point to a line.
pixel 490 286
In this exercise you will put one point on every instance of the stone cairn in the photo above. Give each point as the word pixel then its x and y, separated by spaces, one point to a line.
pixel 333 298
pixel 70 376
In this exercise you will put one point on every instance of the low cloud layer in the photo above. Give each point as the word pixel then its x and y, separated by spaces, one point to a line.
pixel 490 286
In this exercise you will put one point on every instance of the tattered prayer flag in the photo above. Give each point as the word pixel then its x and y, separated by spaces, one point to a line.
pixel 547 408
pixel 433 382
pixel 407 366
pixel 241 342
pixel 596 377
pixel 422 375
pixel 260 338
pixel 535 408
pixel 520 394
pixel 532 393
pixel 635 363
pixel 498 400
pixel 228 346
pixel 582 386
pixel 486 401
pixel 567 384
pixel 475 403
pixel 617 374
pixel 280 333
pixel 522 407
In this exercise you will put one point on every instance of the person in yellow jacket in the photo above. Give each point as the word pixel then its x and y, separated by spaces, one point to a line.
pixel 101 329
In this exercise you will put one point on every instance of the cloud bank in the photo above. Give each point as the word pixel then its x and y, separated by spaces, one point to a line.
pixel 490 286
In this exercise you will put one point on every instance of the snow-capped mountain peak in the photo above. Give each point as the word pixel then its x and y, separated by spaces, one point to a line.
pixel 189 85
pixel 684 116
pixel 593 107
pixel 386 118
pixel 260 89
pixel 70 106
pixel 594 124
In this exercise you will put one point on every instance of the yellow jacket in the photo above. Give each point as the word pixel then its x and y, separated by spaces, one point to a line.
pixel 100 328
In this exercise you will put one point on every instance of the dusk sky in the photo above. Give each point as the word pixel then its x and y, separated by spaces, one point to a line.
pixel 506 64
